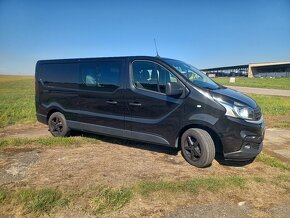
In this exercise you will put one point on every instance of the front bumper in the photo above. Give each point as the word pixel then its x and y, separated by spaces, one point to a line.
pixel 241 140
pixel 247 152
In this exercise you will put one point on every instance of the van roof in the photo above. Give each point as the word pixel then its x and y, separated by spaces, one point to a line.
pixel 96 58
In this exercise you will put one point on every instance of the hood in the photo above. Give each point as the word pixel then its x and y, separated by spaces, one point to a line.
pixel 234 95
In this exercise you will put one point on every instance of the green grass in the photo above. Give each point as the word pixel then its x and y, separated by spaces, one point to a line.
pixel 259 179
pixel 277 83
pixel 272 161
pixel 40 201
pixel 108 199
pixel 276 110
pixel 46 141
pixel 33 201
pixel 194 185
pixel 16 100
pixel 273 105
pixel 3 195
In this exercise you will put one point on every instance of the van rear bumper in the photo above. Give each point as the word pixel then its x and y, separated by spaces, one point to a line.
pixel 41 118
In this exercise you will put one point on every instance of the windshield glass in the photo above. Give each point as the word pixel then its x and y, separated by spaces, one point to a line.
pixel 195 76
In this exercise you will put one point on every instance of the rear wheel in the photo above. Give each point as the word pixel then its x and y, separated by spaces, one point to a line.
pixel 197 147
pixel 58 125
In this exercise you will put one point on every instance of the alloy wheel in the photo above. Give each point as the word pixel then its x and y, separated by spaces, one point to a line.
pixel 192 148
pixel 56 125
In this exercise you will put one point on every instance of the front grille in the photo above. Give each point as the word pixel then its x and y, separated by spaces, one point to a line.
pixel 257 113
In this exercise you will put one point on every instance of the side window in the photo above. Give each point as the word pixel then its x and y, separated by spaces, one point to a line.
pixel 60 75
pixel 151 76
pixel 164 77
pixel 100 76
pixel 145 75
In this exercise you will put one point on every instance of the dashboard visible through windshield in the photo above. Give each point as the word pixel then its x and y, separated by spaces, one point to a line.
pixel 192 74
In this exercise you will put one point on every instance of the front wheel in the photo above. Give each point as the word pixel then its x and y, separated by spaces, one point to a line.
pixel 58 125
pixel 197 147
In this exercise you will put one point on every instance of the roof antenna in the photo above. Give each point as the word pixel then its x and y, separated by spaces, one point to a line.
pixel 157 55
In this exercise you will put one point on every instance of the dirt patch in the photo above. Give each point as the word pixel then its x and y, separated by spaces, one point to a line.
pixel 212 210
pixel 15 165
pixel 25 130
pixel 230 209
pixel 280 211
pixel 277 143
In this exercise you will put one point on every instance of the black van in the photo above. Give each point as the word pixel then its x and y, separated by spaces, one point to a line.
pixel 150 99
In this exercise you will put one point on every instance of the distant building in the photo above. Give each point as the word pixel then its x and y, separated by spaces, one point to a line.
pixel 271 69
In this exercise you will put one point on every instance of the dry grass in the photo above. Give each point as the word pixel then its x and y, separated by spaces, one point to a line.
pixel 46 141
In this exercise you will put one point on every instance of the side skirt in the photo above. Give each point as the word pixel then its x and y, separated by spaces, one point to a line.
pixel 121 133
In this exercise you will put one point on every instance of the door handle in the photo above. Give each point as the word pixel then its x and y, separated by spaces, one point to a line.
pixel 135 104
pixel 111 102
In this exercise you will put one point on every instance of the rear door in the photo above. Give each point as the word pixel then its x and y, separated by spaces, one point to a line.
pixel 101 96
pixel 154 116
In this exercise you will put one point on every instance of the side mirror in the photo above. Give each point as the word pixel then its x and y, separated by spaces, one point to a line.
pixel 174 89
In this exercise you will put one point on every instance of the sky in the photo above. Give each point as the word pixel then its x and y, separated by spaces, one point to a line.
pixel 203 33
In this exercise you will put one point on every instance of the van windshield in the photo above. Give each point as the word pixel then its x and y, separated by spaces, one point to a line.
pixel 192 74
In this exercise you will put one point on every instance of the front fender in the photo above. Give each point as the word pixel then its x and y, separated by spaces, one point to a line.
pixel 202 119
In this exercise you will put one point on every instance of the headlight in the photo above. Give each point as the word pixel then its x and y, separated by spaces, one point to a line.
pixel 236 109
pixel 244 112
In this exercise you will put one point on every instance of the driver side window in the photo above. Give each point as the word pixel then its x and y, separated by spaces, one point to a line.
pixel 151 76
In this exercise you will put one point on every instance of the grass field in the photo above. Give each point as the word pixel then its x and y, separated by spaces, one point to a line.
pixel 277 83
pixel 17 101
pixel 277 105
pixel 276 110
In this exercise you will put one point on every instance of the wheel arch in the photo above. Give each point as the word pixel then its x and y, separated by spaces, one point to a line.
pixel 51 111
pixel 216 139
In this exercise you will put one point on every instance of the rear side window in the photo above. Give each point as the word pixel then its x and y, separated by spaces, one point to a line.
pixel 100 76
pixel 60 75
pixel 151 76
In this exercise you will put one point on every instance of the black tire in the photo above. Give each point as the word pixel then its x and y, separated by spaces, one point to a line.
pixel 57 125
pixel 197 147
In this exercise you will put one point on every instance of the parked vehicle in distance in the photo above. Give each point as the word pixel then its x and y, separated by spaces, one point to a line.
pixel 150 99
